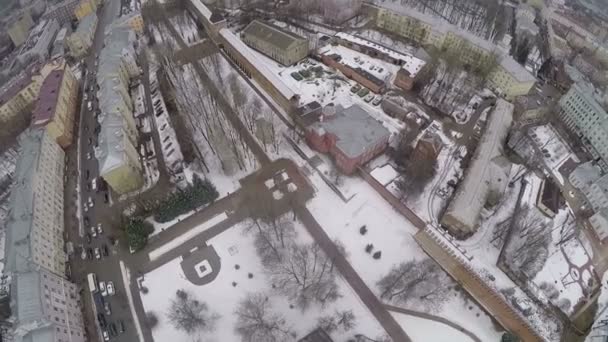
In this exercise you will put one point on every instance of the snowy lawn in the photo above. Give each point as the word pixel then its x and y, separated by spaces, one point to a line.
pixel 440 332
pixel 231 286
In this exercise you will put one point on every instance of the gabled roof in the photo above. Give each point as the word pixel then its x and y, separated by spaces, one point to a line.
pixel 272 34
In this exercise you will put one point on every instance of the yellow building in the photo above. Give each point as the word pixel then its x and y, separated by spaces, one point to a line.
pixel 19 30
pixel 56 106
pixel 20 93
pixel 85 7
pixel 508 77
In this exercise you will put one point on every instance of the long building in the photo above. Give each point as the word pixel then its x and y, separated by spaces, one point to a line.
pixel 585 117
pixel 508 78
pixel 488 172
pixel 56 106
pixel 81 40
pixel 63 12
pixel 19 30
pixel 279 44
pixel 119 162
pixel 44 305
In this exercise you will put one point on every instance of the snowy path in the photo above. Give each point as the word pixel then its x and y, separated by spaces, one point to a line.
pixel 434 318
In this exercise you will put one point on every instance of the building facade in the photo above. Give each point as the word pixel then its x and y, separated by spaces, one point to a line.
pixel 350 135
pixel 586 118
pixel 508 77
pixel 283 46
pixel 56 106
pixel 81 40
pixel 19 30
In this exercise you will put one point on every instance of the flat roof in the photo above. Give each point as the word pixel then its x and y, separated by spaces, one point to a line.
pixel 272 34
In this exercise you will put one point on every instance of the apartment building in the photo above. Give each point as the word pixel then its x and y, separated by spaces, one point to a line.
pixel 586 118
pixel 63 12
pixel 19 30
pixel 20 93
pixel 35 220
pixel 488 172
pixel 85 7
pixel 119 162
pixel 56 106
pixel 133 20
pixel 81 40
pixel 279 44
pixel 508 78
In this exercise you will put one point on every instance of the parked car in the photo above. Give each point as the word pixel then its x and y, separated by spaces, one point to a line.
pixel 99 229
pixel 107 308
pixel 94 184
pixel 90 253
pixel 83 254
pixel 121 326
pixel 89 105
pixel 377 100
pixel 363 92
pixel 102 320
pixel 368 98
pixel 105 251
pixel 88 237
pixel 90 202
pixel 110 288
pixel 97 253
pixel 112 329
pixel 88 155
pixel 355 88
pixel 102 288
pixel 93 231
pixel 106 337
pixel 86 220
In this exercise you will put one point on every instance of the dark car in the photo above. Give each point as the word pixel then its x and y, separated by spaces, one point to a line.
pixel 88 174
pixel 90 253
pixel 121 326
pixel 106 198
pixel 104 248
pixel 86 220
pixel 88 237
pixel 102 320
pixel 112 329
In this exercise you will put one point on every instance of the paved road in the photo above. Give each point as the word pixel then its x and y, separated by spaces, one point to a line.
pixel 434 318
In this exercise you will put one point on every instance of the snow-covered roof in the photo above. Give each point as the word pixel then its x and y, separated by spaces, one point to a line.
pixel 471 195
pixel 584 175
pixel 258 64
pixel 518 71
pixel 410 63
pixel 355 130
pixel 272 34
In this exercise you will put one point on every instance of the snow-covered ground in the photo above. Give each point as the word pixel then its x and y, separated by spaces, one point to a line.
pixel 463 113
pixel 440 332
pixel 231 286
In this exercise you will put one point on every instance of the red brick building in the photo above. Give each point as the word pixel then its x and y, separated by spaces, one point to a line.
pixel 427 148
pixel 350 135
pixel 404 80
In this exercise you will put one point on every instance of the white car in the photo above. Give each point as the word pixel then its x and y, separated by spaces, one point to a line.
pixel 93 231
pixel 94 184
pixel 88 155
pixel 99 230
pixel 86 208
pixel 90 202
pixel 97 253
pixel 89 105
pixel 102 288
pixel 106 337
pixel 377 100
pixel 110 288
pixel 83 254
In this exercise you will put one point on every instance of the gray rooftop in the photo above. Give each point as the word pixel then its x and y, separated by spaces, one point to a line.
pixel 87 24
pixel 272 34
pixel 354 128
pixel 20 216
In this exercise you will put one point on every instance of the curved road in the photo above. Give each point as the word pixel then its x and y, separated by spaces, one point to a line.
pixel 434 318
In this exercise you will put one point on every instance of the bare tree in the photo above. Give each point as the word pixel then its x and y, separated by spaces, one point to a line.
pixel 188 314
pixel 416 282
pixel 306 275
pixel 256 321
pixel 528 249
pixel 341 320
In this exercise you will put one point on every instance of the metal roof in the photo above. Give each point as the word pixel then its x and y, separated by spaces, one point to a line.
pixel 47 98
pixel 354 128
pixel 272 34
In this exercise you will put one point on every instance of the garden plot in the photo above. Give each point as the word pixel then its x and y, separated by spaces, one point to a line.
pixel 186 27
pixel 554 149
pixel 242 274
